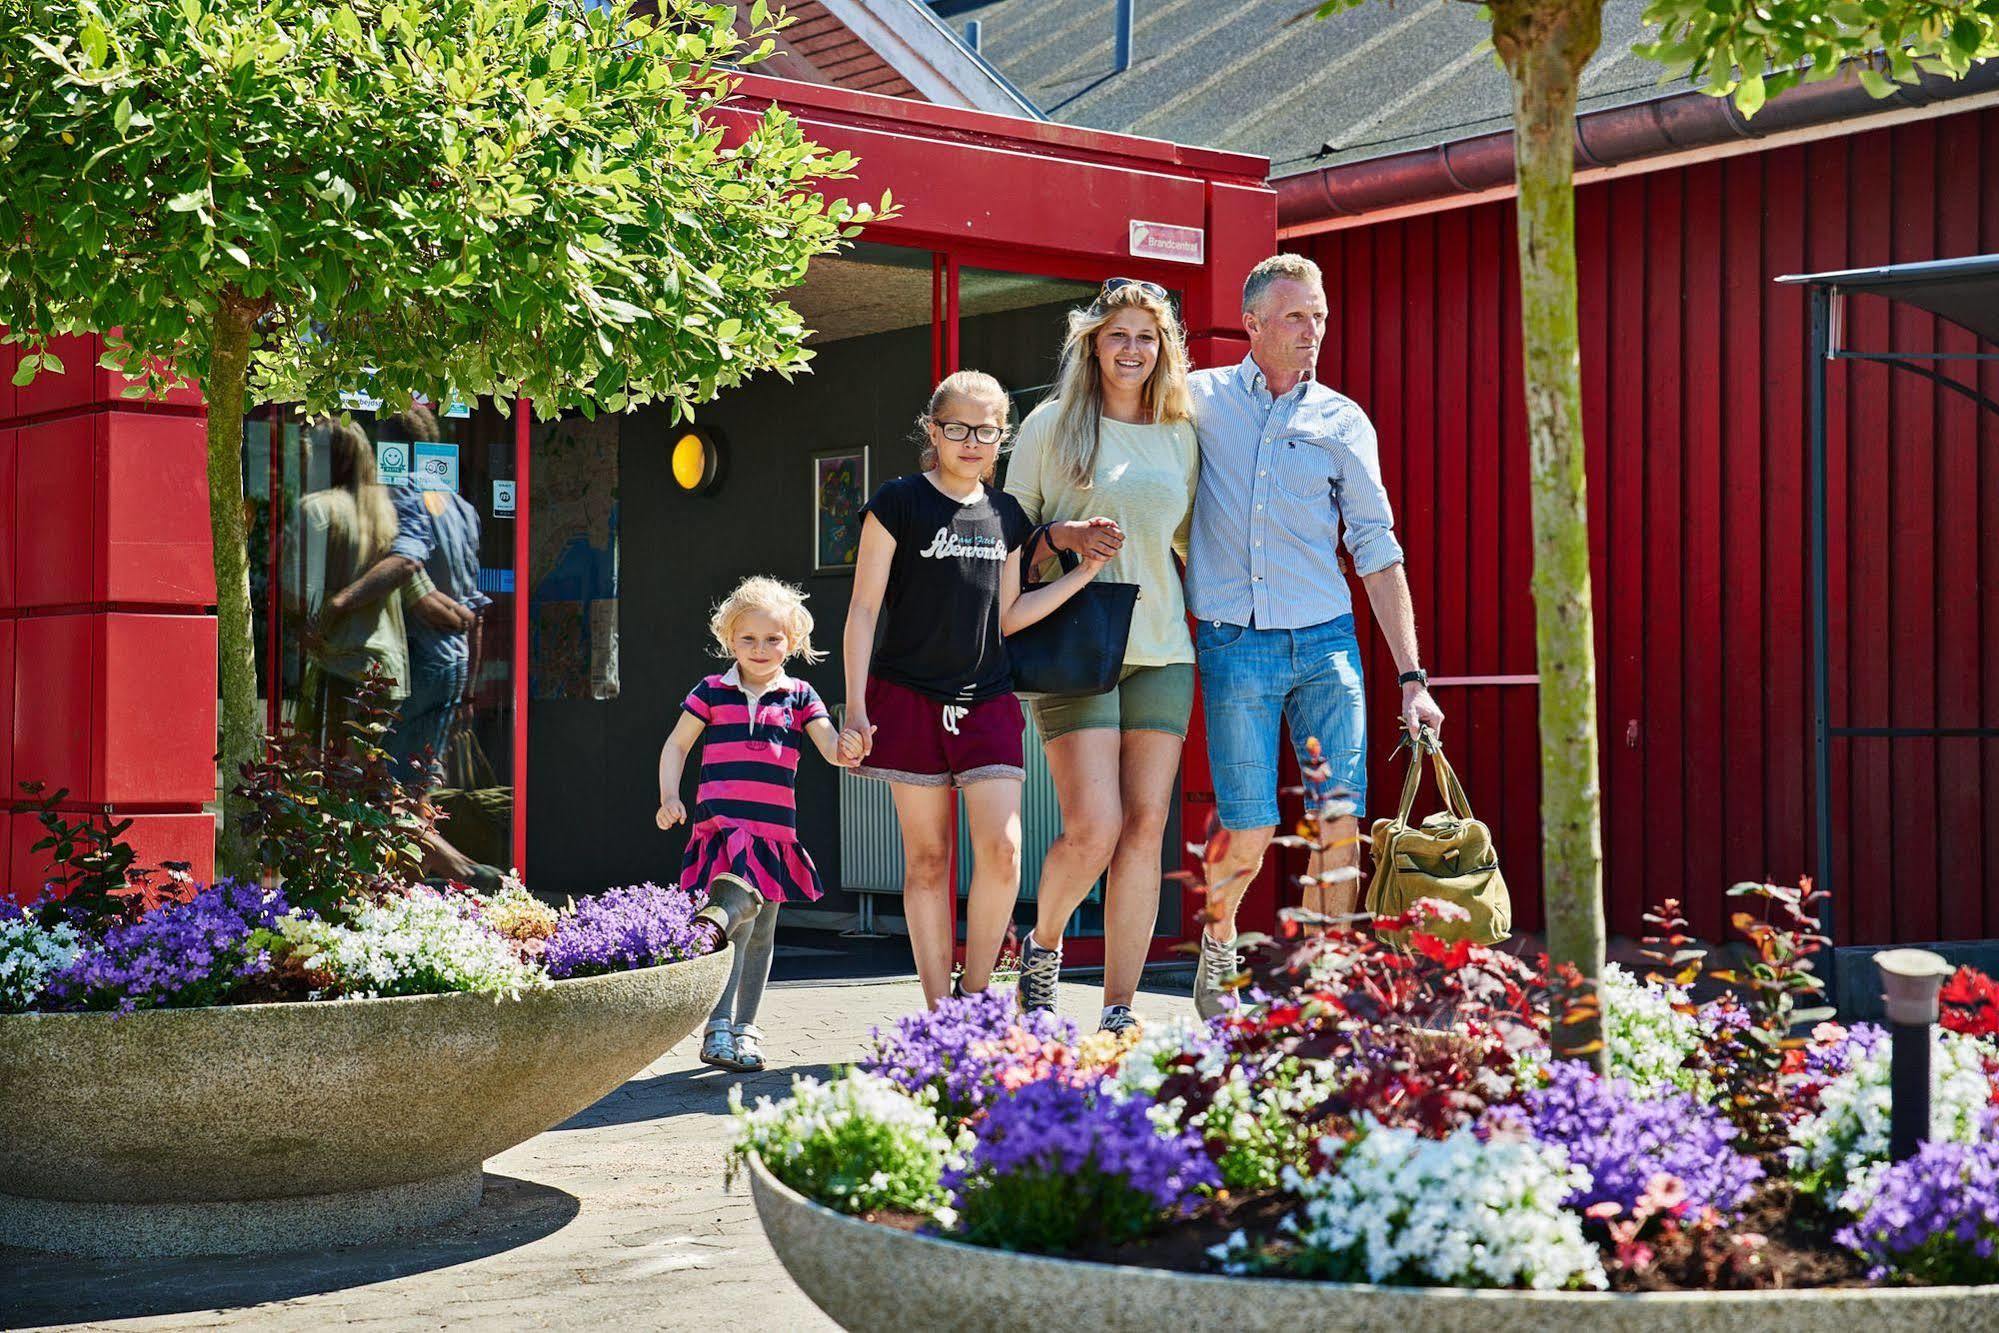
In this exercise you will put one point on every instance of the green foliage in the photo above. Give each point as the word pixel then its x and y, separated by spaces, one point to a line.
pixel 445 197
pixel 336 823
pixel 1754 49
pixel 94 880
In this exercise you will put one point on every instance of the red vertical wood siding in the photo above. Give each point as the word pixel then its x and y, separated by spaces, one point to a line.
pixel 1693 385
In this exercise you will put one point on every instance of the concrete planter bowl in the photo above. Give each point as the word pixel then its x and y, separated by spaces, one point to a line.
pixel 876 1278
pixel 276 1126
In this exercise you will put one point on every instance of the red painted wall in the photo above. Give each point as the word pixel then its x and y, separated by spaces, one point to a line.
pixel 1694 383
pixel 107 647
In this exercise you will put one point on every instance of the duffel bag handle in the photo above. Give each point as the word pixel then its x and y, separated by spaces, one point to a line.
pixel 1448 785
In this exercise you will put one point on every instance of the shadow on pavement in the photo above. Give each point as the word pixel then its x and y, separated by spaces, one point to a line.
pixel 703 1091
pixel 48 1289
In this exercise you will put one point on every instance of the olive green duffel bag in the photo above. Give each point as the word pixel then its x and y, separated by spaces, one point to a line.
pixel 1449 856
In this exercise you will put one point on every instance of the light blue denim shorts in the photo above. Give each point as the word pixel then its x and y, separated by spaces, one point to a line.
pixel 1251 680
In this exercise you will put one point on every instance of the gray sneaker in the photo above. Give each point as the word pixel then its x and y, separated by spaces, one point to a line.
pixel 1218 963
pixel 1040 970
pixel 1118 1019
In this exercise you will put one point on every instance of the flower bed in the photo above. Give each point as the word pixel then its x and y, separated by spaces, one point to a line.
pixel 1392 1115
pixel 235 943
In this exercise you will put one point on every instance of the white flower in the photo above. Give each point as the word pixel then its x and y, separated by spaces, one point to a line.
pixel 1399 1208
pixel 414 944
pixel 1843 1146
pixel 857 1143
pixel 1646 1037
pixel 31 953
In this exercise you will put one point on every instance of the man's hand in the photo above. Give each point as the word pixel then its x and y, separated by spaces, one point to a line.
pixel 1096 539
pixel 1419 710
pixel 443 614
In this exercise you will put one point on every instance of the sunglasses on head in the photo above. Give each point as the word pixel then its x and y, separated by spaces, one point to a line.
pixel 1152 289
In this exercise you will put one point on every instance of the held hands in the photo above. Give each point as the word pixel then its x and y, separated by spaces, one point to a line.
pixel 671 811
pixel 1092 539
pixel 858 740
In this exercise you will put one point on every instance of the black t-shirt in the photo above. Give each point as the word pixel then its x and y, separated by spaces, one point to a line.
pixel 940 631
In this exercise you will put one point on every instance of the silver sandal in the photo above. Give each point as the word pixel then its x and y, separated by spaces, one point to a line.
pixel 718 1044
pixel 749 1048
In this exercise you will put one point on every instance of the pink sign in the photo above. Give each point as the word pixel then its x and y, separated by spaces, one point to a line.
pixel 1164 240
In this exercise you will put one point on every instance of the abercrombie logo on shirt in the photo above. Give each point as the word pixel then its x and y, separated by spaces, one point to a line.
pixel 948 545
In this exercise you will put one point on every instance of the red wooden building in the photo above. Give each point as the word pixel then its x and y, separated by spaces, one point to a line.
pixel 1694 365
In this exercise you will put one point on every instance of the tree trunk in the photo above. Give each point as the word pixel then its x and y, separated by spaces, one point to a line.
pixel 1545 46
pixel 242 729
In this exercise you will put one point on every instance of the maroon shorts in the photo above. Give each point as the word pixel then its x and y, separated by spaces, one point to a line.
pixel 926 743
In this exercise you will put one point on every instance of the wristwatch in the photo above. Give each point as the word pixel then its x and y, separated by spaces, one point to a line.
pixel 1416 677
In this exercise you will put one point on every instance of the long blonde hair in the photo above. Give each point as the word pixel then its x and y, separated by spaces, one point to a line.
pixel 1079 388
pixel 782 602
pixel 353 472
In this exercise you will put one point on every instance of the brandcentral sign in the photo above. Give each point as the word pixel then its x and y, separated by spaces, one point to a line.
pixel 1168 241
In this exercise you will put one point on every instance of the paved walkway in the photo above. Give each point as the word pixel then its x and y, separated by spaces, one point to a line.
pixel 616 1220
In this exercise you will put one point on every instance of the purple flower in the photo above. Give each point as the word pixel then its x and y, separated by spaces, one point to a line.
pixel 1835 1050
pixel 1056 1163
pixel 1625 1141
pixel 961 1048
pixel 1934 1217
pixel 179 955
pixel 619 929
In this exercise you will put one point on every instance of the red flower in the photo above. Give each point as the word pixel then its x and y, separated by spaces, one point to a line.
pixel 1970 1002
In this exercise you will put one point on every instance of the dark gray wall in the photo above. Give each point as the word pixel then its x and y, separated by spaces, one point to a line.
pixel 593 784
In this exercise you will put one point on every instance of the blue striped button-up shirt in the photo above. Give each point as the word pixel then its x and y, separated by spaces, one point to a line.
pixel 1283 481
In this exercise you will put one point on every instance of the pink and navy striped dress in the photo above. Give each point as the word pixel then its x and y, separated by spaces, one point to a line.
pixel 745 810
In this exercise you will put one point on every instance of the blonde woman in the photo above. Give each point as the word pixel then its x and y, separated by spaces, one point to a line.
pixel 1111 460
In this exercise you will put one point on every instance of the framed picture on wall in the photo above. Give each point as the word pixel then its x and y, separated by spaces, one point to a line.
pixel 839 489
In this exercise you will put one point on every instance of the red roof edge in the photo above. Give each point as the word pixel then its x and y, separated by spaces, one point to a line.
pixel 851 107
pixel 1679 123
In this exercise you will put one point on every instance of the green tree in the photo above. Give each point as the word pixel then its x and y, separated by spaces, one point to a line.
pixel 287 199
pixel 1750 49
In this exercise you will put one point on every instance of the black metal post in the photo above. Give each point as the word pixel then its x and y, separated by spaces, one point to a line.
pixel 1909 1089
pixel 1821 346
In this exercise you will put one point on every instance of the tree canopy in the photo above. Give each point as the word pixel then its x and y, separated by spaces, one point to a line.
pixel 444 197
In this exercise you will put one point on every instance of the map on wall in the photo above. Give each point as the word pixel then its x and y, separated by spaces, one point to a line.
pixel 573 560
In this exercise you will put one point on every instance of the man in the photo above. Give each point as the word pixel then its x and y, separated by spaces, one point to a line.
pixel 1289 471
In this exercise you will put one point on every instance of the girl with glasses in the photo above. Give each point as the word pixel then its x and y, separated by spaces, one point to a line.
pixel 1110 461
pixel 930 707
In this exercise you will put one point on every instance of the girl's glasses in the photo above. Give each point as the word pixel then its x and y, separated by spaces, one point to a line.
pixel 957 432
pixel 1152 289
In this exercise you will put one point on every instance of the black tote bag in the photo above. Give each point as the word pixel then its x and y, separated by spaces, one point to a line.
pixel 1079 647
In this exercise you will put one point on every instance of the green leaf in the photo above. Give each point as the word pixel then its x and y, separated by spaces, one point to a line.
pixel 93 42
pixel 52 363
pixel 1871 79
pixel 1749 95
pixel 188 201
pixel 121 115
pixel 24 372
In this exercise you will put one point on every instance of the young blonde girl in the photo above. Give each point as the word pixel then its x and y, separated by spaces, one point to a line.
pixel 931 706
pixel 755 718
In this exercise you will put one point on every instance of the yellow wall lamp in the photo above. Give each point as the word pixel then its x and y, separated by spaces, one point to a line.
pixel 696 460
